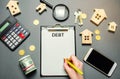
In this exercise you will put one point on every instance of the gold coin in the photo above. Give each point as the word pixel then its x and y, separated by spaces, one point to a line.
pixel 97 32
pixel 21 52
pixel 84 16
pixel 32 48
pixel 36 22
pixel 98 37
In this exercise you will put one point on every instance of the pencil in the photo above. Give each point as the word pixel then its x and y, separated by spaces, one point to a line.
pixel 74 67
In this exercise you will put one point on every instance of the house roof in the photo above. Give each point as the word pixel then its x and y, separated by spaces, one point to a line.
pixel 12 2
pixel 86 32
pixel 101 11
pixel 112 23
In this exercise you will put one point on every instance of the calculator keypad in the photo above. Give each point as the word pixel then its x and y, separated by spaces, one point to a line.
pixel 15 36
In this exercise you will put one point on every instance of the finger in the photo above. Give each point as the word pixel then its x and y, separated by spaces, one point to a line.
pixel 74 59
pixel 76 62
pixel 68 69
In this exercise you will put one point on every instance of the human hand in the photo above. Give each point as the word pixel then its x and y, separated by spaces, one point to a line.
pixel 71 72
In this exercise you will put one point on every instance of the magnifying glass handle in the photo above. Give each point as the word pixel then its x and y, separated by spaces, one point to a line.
pixel 48 4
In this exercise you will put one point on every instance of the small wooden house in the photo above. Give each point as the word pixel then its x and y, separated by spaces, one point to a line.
pixel 40 8
pixel 86 36
pixel 98 16
pixel 112 26
pixel 13 7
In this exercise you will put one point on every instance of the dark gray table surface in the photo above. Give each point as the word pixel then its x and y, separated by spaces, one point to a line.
pixel 109 45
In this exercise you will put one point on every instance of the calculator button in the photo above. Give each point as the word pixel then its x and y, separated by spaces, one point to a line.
pixel 18 32
pixel 20 40
pixel 14 35
pixel 10 31
pixel 6 40
pixel 10 44
pixel 3 38
pixel 16 43
pixel 17 24
pixel 26 33
pixel 17 37
pixel 9 37
pixel 21 35
pixel 14 28
pixel 13 41
pixel 21 29
pixel 12 47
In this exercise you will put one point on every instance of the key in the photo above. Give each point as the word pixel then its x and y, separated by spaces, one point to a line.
pixel 80 20
pixel 77 14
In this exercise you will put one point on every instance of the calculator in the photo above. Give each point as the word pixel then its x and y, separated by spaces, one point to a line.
pixel 13 33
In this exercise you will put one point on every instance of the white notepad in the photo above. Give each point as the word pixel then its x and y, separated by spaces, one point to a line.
pixel 56 44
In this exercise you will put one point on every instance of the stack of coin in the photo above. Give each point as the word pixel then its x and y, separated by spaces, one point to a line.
pixel 98 37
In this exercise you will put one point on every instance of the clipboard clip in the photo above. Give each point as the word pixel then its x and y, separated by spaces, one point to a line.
pixel 57 27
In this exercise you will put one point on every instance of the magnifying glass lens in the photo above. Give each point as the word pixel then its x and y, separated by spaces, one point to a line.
pixel 60 12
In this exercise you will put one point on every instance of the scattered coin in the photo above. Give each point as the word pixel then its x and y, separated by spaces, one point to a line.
pixel 84 16
pixel 36 22
pixel 97 32
pixel 98 37
pixel 32 48
pixel 21 52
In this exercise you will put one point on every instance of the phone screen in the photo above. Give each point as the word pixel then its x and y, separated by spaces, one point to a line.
pixel 100 61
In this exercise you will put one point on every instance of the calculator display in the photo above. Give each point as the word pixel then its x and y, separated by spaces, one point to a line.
pixel 4 26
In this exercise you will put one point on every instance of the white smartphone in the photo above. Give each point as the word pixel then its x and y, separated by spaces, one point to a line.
pixel 100 62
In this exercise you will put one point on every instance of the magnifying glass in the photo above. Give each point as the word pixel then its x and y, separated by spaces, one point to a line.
pixel 60 11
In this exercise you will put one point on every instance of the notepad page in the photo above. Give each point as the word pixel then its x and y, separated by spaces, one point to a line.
pixel 54 50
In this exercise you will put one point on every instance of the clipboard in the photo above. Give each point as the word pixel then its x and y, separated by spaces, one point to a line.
pixel 57 42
